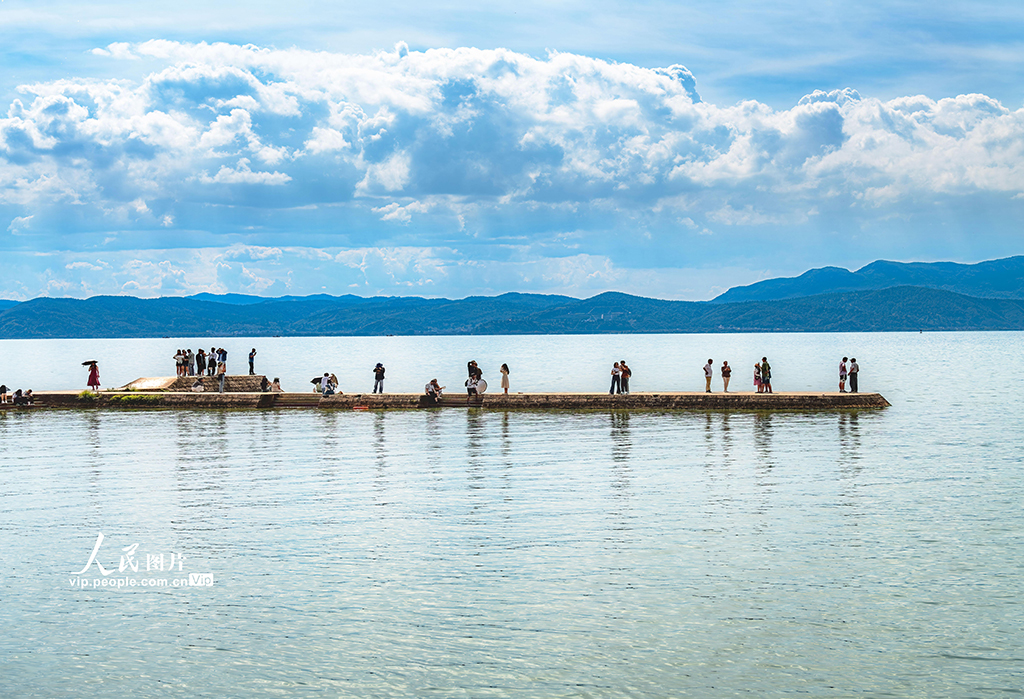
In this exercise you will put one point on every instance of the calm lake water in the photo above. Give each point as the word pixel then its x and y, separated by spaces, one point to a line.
pixel 485 554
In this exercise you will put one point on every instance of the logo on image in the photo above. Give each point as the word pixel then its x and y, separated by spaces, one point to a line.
pixel 160 568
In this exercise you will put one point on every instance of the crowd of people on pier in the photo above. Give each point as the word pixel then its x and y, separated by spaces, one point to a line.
pixel 202 364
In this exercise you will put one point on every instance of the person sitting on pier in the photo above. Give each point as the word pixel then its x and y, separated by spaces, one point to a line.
pixel 199 386
pixel 471 385
pixel 3 393
pixel 328 384
pixel 19 398
pixel 29 398
pixel 433 391
pixel 264 385
pixel 275 387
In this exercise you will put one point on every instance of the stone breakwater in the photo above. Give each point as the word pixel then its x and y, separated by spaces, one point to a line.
pixel 518 401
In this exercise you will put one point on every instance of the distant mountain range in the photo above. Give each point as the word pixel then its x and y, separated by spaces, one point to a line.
pixel 995 279
pixel 820 300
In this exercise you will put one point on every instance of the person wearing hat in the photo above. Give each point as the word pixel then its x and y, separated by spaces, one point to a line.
pixel 378 378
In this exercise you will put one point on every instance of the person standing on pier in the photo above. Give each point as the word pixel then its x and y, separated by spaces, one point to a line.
pixel 504 377
pixel 190 362
pixel 766 375
pixel 854 370
pixel 252 360
pixel 726 375
pixel 200 362
pixel 842 376
pixel 757 378
pixel 626 373
pixel 94 376
pixel 378 378
pixel 222 374
pixel 709 372
pixel 616 380
pixel 211 361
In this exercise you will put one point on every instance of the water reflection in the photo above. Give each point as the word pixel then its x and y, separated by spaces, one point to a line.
pixel 506 440
pixel 620 435
pixel 380 452
pixel 763 438
pixel 725 432
pixel 849 435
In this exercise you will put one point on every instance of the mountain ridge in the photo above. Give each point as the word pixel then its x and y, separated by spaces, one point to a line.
pixel 893 309
pixel 1002 278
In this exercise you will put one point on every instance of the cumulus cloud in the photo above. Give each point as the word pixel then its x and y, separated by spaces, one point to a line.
pixel 478 148
pixel 403 214
pixel 244 175
pixel 19 225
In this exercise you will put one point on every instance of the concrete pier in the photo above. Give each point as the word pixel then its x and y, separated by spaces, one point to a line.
pixel 654 400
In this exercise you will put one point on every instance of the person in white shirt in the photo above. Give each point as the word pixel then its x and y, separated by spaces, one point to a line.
pixel 198 386
pixel 709 372
pixel 433 391
pixel 842 376
pixel 471 385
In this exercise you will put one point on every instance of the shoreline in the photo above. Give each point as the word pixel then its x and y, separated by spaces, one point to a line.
pixel 647 400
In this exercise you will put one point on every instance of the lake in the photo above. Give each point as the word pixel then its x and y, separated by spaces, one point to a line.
pixel 489 554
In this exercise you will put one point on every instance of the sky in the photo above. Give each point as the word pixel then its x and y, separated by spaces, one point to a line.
pixel 665 149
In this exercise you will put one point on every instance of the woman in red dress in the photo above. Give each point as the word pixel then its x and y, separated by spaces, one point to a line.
pixel 94 376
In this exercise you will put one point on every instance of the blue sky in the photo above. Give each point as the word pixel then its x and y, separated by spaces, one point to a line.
pixel 451 149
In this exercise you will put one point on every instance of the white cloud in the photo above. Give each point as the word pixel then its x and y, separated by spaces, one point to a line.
pixel 244 175
pixel 402 214
pixel 492 124
pixel 19 224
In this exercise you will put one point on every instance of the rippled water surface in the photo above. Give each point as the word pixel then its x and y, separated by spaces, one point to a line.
pixel 470 553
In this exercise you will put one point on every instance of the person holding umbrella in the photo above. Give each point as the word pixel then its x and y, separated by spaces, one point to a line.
pixel 94 374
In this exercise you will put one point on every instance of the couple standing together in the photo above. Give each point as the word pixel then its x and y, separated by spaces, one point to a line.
pixel 620 378
pixel 852 373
